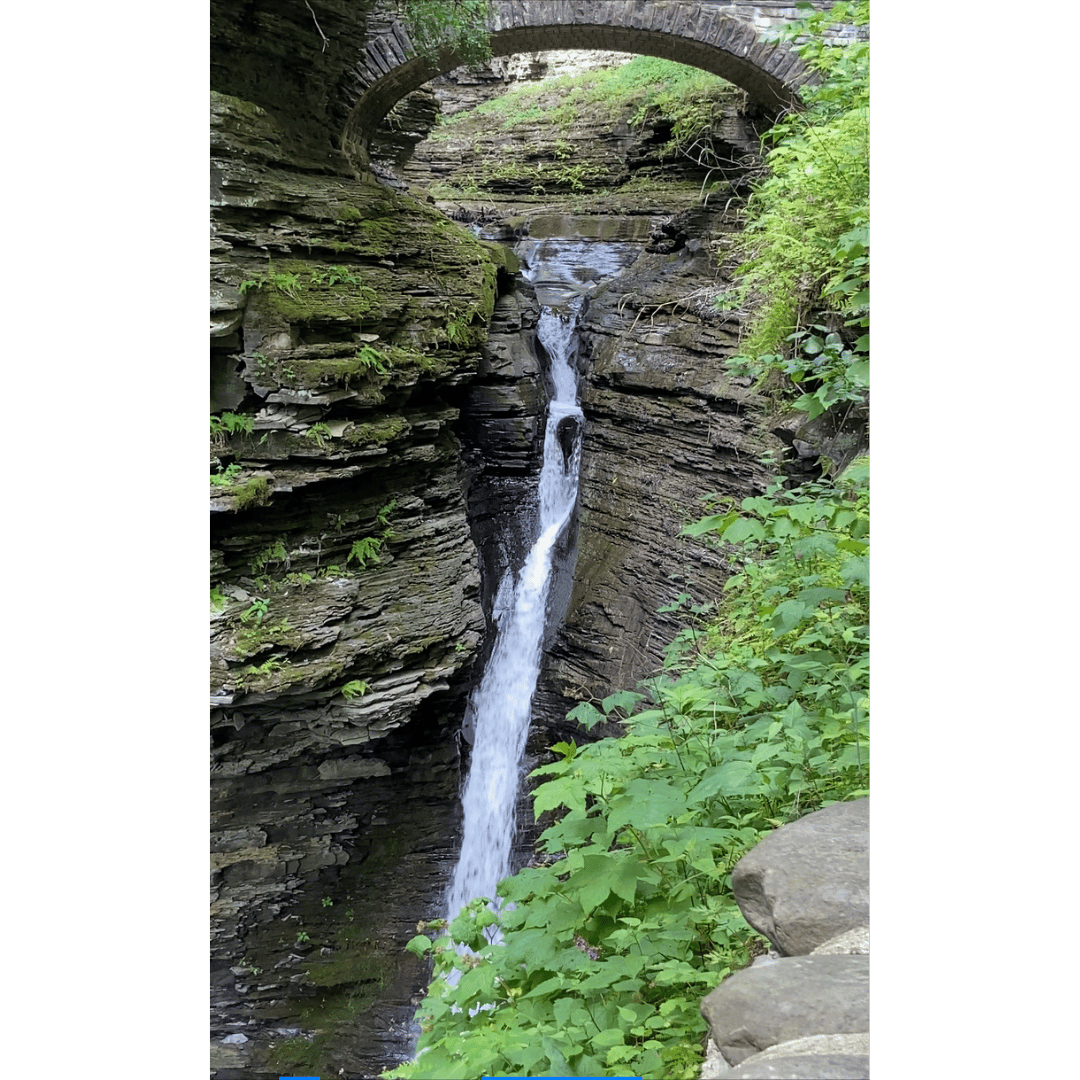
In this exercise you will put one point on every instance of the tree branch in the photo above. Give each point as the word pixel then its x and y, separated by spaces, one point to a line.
pixel 325 39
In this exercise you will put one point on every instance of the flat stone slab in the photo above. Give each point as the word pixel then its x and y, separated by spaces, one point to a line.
pixel 809 881
pixel 805 1067
pixel 798 996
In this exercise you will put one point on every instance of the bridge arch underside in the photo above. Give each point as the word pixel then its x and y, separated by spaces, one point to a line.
pixel 769 73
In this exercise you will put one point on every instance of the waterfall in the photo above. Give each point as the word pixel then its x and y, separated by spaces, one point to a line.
pixel 502 703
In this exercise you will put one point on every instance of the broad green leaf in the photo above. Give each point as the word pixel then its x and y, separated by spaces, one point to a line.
pixel 418 945
pixel 646 802
pixel 622 699
pixel 856 570
pixel 712 523
pixel 742 530
pixel 727 779
pixel 859 372
pixel 788 615
pixel 587 714
pixel 565 791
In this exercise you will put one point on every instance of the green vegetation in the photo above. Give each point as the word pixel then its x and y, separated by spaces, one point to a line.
pixel 759 715
pixel 254 492
pixel 637 92
pixel 355 688
pixel 284 281
pixel 456 26
pixel 805 250
pixel 225 477
pixel 229 423
pixel 645 91
pixel 366 550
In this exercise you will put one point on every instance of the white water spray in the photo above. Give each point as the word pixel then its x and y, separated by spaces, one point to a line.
pixel 502 704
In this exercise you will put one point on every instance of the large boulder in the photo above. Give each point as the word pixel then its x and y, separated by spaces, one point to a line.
pixel 809 881
pixel 759 1007
pixel 815 1057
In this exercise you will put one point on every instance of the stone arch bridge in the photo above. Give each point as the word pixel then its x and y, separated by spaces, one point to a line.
pixel 726 38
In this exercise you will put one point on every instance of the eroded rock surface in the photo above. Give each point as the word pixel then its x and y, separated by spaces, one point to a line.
pixel 346 322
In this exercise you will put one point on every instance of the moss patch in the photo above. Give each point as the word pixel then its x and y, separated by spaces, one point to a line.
pixel 253 492
pixel 376 433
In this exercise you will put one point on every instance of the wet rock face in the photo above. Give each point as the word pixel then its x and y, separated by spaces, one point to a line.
pixel 385 361
pixel 664 426
pixel 346 323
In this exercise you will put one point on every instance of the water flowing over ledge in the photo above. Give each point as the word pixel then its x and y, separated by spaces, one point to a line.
pixel 502 703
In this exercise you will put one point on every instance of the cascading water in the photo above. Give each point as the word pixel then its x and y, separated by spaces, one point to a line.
pixel 502 703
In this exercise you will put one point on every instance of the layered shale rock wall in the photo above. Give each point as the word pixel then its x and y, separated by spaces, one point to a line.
pixel 377 398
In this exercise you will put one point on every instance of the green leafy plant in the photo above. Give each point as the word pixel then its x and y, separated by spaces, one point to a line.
pixel 438 27
pixel 256 612
pixel 335 275
pixel 366 550
pixel 626 919
pixel 373 360
pixel 318 433
pixel 284 281
pixel 355 688
pixel 225 477
pixel 229 423
pixel 272 553
pixel 804 255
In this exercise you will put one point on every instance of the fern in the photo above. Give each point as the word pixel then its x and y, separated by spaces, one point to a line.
pixel 356 688
pixel 365 551
pixel 373 360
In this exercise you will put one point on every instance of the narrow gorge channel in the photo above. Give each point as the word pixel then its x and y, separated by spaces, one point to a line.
pixel 501 708
pixel 456 516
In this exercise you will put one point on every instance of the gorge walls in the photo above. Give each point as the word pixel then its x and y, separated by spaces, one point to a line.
pixel 377 402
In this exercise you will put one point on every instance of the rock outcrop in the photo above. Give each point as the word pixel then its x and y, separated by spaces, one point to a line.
pixel 803 1011
pixel 346 324
pixel 376 397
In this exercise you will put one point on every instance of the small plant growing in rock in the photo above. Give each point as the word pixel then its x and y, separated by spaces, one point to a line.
pixel 364 551
pixel 335 275
pixel 354 689
pixel 274 552
pixel 372 360
pixel 229 423
pixel 318 433
pixel 288 283
pixel 257 611
pixel 225 476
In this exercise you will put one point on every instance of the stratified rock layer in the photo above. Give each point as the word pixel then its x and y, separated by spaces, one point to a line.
pixel 665 426
pixel 346 322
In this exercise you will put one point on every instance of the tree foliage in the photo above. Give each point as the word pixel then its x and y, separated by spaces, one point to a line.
pixel 456 26
pixel 805 250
